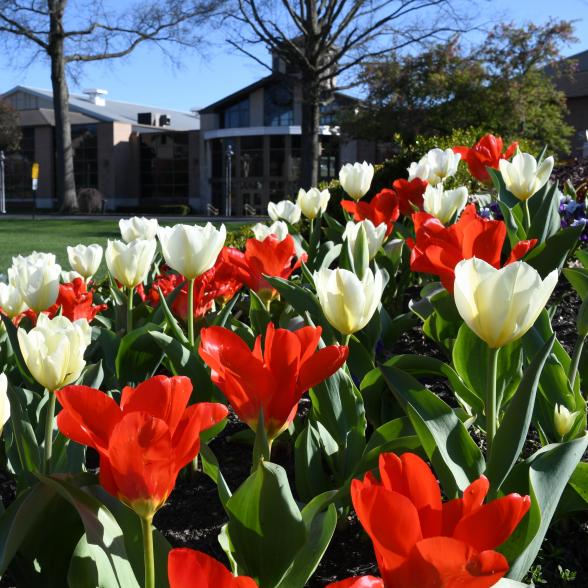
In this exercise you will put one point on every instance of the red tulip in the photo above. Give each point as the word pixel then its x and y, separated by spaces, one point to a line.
pixel 419 541
pixel 187 568
pixel 438 249
pixel 273 379
pixel 144 442
pixel 409 193
pixel 487 152
pixel 271 257
pixel 383 208
pixel 219 282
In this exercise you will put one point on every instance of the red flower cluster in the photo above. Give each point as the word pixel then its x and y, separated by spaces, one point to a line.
pixel 220 281
pixel 144 442
pixel 438 249
pixel 271 257
pixel 419 541
pixel 273 379
pixel 187 568
pixel 487 152
pixel 409 193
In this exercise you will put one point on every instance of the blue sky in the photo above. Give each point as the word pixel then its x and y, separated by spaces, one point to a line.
pixel 148 77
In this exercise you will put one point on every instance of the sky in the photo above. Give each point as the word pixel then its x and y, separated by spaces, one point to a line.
pixel 149 77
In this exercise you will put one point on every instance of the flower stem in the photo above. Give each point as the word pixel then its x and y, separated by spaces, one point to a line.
pixel 147 532
pixel 491 421
pixel 346 339
pixel 191 312
pixel 130 310
pixel 576 360
pixel 48 446
pixel 526 216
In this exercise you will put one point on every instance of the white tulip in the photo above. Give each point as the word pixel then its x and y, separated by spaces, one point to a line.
pixel 348 302
pixel 4 402
pixel 563 419
pixel 69 277
pixel 37 281
pixel 284 210
pixel 500 305
pixel 313 202
pixel 85 260
pixel 191 249
pixel 435 166
pixel 37 258
pixel 11 301
pixel 356 179
pixel 129 262
pixel 444 204
pixel 279 229
pixel 138 228
pixel 54 350
pixel 393 249
pixel 375 236
pixel 523 177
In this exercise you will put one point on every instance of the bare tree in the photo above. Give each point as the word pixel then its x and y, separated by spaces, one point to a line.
pixel 322 39
pixel 10 134
pixel 77 32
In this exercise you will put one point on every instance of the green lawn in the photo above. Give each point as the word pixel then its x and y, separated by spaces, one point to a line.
pixel 25 236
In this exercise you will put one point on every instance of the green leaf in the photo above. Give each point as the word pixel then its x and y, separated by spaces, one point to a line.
pixel 319 530
pixel 338 406
pixel 311 477
pixel 184 362
pixel 544 212
pixel 211 468
pixel 503 193
pixel 103 534
pixel 266 528
pixel 456 458
pixel 259 317
pixel 171 320
pixel 92 375
pixel 513 218
pixel 13 341
pixel 546 474
pixel 137 358
pixel 512 433
pixel 553 253
pixel 578 278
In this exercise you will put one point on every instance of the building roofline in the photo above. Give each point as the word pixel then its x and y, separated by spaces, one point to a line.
pixel 235 95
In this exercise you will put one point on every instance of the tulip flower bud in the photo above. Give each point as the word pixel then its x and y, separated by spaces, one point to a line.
pixel 54 350
pixel 356 179
pixel 4 402
pixel 445 204
pixel 191 250
pixel 313 202
pixel 129 262
pixel 563 419
pixel 348 302
pixel 375 236
pixel 37 281
pixel 278 228
pixel 435 166
pixel 285 210
pixel 138 228
pixel 523 177
pixel 11 301
pixel 393 249
pixel 500 305
pixel 85 260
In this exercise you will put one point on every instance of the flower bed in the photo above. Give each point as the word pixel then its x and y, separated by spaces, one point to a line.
pixel 380 402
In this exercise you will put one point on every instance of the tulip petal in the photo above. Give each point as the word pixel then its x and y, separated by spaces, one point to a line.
pixel 358 582
pixel 141 459
pixel 162 397
pixel 186 567
pixel 490 525
pixel 88 416
pixel 321 365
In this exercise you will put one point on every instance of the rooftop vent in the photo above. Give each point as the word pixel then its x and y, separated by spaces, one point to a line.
pixel 96 96
pixel 164 120
pixel 146 118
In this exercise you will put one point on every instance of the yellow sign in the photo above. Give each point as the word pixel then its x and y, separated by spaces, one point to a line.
pixel 35 171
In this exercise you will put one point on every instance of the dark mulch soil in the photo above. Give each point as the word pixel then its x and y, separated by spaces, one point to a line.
pixel 193 515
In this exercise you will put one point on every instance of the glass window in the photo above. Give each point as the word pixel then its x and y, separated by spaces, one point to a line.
pixel 236 115
pixel 278 105
pixel 165 165
pixel 84 142
pixel 251 157
pixel 18 165
pixel 277 156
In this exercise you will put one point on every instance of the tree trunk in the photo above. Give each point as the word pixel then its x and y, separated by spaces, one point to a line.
pixel 310 143
pixel 65 180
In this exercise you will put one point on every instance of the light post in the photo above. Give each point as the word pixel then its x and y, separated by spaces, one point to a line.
pixel 2 184
pixel 229 170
